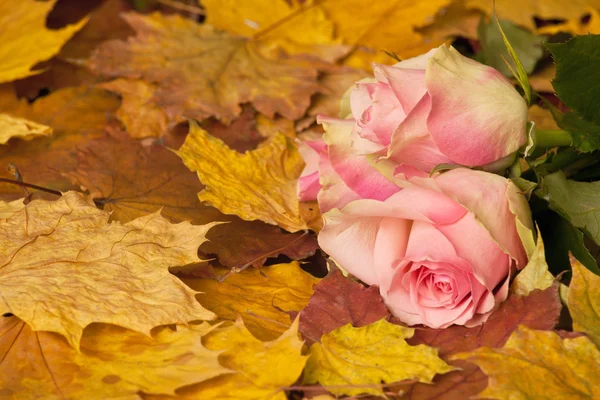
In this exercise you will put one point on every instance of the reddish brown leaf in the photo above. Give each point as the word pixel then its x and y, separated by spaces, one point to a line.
pixel 241 243
pixel 539 310
pixel 338 301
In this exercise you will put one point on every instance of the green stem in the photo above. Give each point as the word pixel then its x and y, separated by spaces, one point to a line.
pixel 552 138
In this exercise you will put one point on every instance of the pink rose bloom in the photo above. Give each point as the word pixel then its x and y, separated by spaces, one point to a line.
pixel 441 250
pixel 440 107
pixel 308 183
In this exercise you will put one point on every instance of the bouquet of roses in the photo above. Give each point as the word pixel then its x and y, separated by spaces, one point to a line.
pixel 424 184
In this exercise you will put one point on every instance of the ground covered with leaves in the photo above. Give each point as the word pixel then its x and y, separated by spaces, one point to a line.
pixel 152 245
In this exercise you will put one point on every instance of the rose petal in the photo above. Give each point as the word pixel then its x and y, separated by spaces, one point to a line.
pixel 412 144
pixel 350 241
pixel 476 116
pixel 408 85
pixel 355 170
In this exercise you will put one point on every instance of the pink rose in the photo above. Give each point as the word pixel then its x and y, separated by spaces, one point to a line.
pixel 440 107
pixel 308 183
pixel 441 250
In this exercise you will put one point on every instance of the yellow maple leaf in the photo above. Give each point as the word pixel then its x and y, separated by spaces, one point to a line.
pixel 200 72
pixel 113 362
pixel 539 365
pixel 535 275
pixel 266 21
pixel 257 185
pixel 63 266
pixel 522 12
pixel 265 369
pixel 24 38
pixel 14 127
pixel 353 360
pixel 139 113
pixel 262 297
pixel 584 301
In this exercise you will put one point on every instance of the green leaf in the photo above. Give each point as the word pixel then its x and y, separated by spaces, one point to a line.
pixel 560 239
pixel 578 74
pixel 585 134
pixel 517 70
pixel 577 202
pixel 526 45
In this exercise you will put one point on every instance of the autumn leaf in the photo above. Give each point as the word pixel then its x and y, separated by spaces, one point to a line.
pixel 138 112
pixel 241 243
pixel 523 12
pixel 65 69
pixel 131 180
pixel 584 301
pixel 113 362
pixel 25 39
pixel 539 365
pixel 200 72
pixel 264 369
pixel 538 310
pixel 13 127
pixel 272 26
pixel 64 267
pixel 338 301
pixel 76 115
pixel 542 117
pixel 260 184
pixel 352 360
pixel 535 275
pixel 263 298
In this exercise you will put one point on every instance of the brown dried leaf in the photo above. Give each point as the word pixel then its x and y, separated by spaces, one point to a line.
pixel 200 72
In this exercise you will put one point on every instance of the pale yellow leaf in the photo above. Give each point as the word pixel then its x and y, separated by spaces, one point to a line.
pixel 14 127
pixel 63 267
pixel 535 275
pixel 539 365
pixel 353 360
pixel 263 298
pixel 584 301
pixel 575 26
pixel 24 38
pixel 257 185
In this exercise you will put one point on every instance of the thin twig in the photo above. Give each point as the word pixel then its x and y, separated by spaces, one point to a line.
pixel 30 185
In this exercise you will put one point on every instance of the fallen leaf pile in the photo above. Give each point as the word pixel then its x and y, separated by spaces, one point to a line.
pixel 151 242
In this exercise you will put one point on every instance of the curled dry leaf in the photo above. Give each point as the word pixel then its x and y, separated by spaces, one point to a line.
pixel 113 362
pixel 24 39
pixel 14 127
pixel 64 267
pixel 539 365
pixel 535 275
pixel 263 298
pixel 260 184
pixel 200 72
pixel 584 301
pixel 356 360
pixel 338 301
